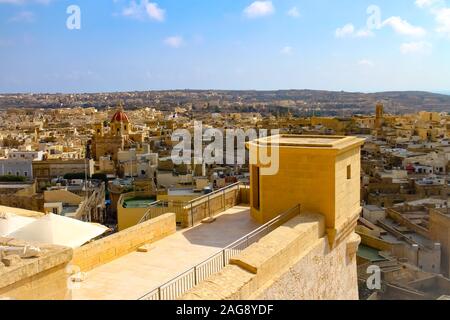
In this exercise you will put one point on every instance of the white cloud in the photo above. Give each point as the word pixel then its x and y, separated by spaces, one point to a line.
pixel 443 20
pixel 174 42
pixel 420 47
pixel 346 30
pixel 403 27
pixel 21 2
pixel 427 3
pixel 293 12
pixel 349 31
pixel 24 16
pixel 144 10
pixel 366 63
pixel 259 9
pixel 363 33
pixel 441 13
pixel 155 12
pixel 287 50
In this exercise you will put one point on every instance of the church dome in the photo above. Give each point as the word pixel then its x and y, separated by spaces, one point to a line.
pixel 120 116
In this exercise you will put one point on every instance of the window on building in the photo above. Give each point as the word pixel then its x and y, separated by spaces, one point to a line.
pixel 25 173
pixel 255 187
pixel 349 172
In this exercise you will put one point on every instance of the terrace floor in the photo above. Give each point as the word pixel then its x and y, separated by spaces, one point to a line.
pixel 134 275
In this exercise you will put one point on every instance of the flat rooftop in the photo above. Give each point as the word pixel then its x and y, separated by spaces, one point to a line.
pixel 138 202
pixel 417 238
pixel 310 141
pixel 136 274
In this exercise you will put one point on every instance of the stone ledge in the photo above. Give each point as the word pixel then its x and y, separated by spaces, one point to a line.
pixel 257 264
pixel 346 228
pixel 50 257
pixel 107 249
pixel 225 285
pixel 294 237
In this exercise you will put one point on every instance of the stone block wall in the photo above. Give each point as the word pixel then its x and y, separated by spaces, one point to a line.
pixel 110 248
pixel 294 262
pixel 41 278
pixel 33 203
pixel 440 232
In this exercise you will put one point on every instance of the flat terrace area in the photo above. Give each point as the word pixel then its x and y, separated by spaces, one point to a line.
pixel 134 275
pixel 310 141
pixel 138 202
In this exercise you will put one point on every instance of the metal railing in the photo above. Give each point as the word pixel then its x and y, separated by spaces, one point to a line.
pixel 214 193
pixel 207 198
pixel 158 208
pixel 182 283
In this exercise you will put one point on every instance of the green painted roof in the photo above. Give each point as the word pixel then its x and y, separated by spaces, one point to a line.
pixel 369 253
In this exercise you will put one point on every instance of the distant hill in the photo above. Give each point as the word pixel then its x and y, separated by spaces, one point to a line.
pixel 414 99
pixel 327 102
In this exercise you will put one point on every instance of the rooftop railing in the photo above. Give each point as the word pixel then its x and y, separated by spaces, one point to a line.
pixel 205 202
pixel 192 212
pixel 158 208
pixel 176 287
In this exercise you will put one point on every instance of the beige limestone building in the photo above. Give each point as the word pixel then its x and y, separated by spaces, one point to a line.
pixel 295 241
pixel 118 136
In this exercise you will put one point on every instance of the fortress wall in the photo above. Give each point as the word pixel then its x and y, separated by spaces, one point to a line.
pixel 119 244
pixel 292 262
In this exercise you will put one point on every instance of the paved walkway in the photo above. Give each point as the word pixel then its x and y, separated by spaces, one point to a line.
pixel 132 276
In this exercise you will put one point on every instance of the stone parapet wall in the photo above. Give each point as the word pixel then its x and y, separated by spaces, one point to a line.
pixel 294 261
pixel 33 203
pixel 110 248
pixel 40 278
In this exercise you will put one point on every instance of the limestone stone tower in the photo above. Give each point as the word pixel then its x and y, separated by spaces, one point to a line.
pixel 379 116
pixel 319 173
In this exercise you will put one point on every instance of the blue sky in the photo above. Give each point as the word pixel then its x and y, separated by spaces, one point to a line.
pixel 225 44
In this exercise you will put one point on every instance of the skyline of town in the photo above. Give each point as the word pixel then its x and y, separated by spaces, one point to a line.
pixel 444 92
pixel 353 198
pixel 117 182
